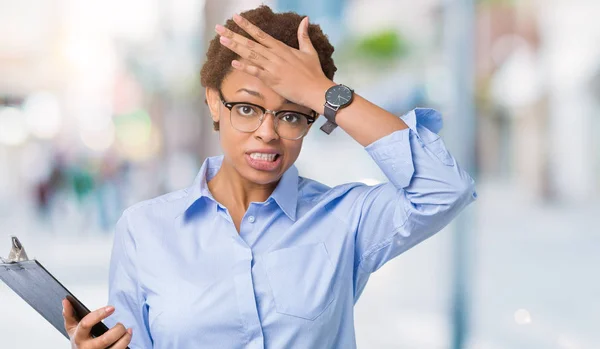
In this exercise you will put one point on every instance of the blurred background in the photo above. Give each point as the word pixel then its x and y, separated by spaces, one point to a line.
pixel 101 107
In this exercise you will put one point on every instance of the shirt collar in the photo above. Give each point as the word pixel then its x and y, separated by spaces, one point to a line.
pixel 285 194
pixel 199 188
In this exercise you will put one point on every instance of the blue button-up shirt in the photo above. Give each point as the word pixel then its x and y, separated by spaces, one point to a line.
pixel 182 277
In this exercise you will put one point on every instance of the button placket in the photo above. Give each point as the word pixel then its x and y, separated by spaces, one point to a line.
pixel 244 288
pixel 248 226
pixel 250 215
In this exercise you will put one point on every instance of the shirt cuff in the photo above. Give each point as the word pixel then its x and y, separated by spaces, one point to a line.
pixel 393 153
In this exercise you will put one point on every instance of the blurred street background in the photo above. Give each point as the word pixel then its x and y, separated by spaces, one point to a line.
pixel 101 107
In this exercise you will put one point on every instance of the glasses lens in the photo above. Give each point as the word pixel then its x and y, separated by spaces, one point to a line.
pixel 291 125
pixel 245 117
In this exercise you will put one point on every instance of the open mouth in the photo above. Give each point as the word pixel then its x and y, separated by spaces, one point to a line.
pixel 264 157
pixel 264 161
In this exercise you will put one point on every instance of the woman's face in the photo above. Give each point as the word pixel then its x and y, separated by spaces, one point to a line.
pixel 243 150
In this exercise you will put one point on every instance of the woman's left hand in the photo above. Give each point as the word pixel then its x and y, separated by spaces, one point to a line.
pixel 294 74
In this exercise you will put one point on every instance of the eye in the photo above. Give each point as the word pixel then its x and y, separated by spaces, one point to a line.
pixel 246 110
pixel 291 118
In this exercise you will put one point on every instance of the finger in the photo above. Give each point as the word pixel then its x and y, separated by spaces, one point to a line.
pixel 257 33
pixel 91 319
pixel 304 42
pixel 111 336
pixel 248 43
pixel 249 69
pixel 69 317
pixel 124 341
pixel 244 51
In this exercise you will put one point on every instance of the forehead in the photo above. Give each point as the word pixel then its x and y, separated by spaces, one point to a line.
pixel 240 84
pixel 236 80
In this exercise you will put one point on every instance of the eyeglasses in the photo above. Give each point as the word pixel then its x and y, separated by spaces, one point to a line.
pixel 247 117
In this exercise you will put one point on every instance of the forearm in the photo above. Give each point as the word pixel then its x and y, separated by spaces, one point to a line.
pixel 362 120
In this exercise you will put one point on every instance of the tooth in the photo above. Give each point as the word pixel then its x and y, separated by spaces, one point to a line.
pixel 261 156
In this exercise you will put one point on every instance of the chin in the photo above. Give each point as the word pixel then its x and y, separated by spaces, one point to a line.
pixel 261 177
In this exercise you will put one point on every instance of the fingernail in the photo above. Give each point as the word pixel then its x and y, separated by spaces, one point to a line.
pixel 237 17
pixel 236 64
pixel 109 309
pixel 225 40
pixel 130 331
pixel 218 28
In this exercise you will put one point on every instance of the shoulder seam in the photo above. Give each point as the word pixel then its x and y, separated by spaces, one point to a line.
pixel 160 199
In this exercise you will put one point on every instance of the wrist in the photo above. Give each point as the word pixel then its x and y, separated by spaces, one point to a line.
pixel 317 93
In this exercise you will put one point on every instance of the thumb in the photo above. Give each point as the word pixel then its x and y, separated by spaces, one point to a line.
pixel 70 320
pixel 304 42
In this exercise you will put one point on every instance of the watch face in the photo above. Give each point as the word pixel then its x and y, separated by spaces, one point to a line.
pixel 338 95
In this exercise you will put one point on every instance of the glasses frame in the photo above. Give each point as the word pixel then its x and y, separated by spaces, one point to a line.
pixel 229 105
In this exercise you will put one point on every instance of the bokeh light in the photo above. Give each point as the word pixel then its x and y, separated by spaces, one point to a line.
pixel 136 137
pixel 43 114
pixel 133 129
pixel 13 128
pixel 99 139
pixel 522 317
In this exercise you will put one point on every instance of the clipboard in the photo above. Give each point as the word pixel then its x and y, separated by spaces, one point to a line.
pixel 42 291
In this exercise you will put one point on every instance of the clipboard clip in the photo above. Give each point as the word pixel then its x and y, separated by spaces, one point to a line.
pixel 17 252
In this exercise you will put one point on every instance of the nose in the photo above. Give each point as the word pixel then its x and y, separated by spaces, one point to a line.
pixel 266 131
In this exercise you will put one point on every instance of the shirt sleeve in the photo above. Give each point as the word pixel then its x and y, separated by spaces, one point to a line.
pixel 124 291
pixel 426 190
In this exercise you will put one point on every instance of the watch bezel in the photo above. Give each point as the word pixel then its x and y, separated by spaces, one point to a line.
pixel 333 104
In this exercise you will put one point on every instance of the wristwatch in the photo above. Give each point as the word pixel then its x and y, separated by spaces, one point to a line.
pixel 336 98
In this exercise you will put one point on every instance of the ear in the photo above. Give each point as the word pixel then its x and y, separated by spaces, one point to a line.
pixel 213 100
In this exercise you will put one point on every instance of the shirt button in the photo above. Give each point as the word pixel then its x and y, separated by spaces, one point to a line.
pixel 251 219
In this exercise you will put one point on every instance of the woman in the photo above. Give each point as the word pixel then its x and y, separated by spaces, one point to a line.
pixel 252 255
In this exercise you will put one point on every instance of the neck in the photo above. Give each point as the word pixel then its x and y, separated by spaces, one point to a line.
pixel 236 192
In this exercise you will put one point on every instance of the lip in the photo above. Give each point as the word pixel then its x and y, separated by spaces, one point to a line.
pixel 264 165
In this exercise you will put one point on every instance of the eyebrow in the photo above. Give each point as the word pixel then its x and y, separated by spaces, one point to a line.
pixel 259 95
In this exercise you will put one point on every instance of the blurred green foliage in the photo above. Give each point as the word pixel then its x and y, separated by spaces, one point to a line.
pixel 384 45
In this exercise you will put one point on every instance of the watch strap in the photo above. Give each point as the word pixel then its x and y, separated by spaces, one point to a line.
pixel 328 127
pixel 329 113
